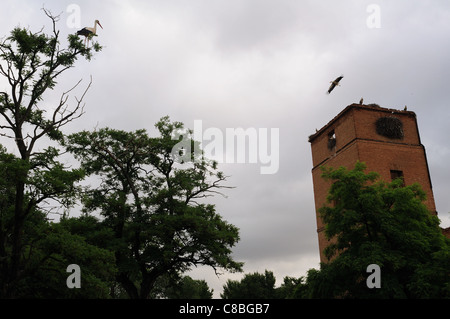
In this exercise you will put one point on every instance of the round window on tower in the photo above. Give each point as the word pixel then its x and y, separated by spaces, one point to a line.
pixel 390 126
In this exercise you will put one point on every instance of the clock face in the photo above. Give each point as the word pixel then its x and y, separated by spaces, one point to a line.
pixel 390 126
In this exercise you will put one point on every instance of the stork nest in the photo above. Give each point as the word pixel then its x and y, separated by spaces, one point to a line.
pixel 390 127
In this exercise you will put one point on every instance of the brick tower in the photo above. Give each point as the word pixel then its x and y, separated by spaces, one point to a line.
pixel 387 140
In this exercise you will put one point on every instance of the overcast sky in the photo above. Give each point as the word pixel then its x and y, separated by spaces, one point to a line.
pixel 261 64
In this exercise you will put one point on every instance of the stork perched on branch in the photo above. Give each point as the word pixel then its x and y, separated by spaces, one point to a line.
pixel 89 32
pixel 334 83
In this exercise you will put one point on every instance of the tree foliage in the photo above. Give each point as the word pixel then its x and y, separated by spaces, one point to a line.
pixel 58 245
pixel 150 203
pixel 252 286
pixel 375 222
pixel 262 286
pixel 186 288
pixel 31 63
pixel 47 249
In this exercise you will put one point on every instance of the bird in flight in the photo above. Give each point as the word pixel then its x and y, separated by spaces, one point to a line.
pixel 334 83
pixel 89 32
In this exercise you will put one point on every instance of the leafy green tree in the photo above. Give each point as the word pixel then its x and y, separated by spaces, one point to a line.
pixel 59 247
pixel 151 204
pixel 387 224
pixel 50 248
pixel 252 286
pixel 187 288
pixel 31 63
pixel 291 288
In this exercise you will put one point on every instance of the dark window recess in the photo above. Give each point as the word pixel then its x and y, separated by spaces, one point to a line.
pixel 331 140
pixel 395 174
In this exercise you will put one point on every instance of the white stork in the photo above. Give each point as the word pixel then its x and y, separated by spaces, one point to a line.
pixel 89 32
pixel 334 83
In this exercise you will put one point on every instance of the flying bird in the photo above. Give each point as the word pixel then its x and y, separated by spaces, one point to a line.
pixel 89 32
pixel 335 83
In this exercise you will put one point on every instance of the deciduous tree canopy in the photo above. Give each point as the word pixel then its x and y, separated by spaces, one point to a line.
pixel 387 224
pixel 31 63
pixel 149 202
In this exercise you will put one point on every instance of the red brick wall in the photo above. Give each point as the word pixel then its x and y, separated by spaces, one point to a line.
pixel 411 159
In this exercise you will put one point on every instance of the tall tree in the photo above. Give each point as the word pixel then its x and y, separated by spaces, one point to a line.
pixel 151 203
pixel 31 63
pixel 387 224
